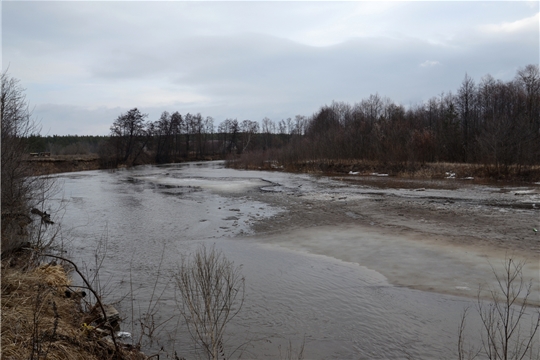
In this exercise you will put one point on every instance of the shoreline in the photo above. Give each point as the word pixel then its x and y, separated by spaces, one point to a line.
pixel 348 169
pixel 62 163
pixel 44 314
pixel 450 237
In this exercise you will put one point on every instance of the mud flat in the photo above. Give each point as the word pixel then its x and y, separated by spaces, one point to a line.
pixel 443 236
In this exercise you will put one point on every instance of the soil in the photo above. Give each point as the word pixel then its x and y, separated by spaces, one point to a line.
pixel 500 226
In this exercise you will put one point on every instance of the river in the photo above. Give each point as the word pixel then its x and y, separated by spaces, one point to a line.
pixel 345 293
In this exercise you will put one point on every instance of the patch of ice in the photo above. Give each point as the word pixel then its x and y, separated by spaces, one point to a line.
pixel 123 335
pixel 524 192
pixel 219 185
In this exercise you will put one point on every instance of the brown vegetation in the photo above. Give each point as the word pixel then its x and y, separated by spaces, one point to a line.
pixel 494 127
pixel 435 170
pixel 40 321
pixel 61 163
pixel 212 293
pixel 38 318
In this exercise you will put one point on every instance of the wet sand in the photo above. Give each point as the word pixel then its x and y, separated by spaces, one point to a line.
pixel 442 236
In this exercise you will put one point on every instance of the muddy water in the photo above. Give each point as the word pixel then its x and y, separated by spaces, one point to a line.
pixel 347 289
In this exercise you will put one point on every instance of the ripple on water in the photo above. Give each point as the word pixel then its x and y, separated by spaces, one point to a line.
pixel 342 310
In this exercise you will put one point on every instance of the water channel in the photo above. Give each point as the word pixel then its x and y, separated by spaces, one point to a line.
pixel 141 221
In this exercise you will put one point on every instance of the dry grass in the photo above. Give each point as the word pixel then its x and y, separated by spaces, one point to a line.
pixel 61 164
pixel 409 170
pixel 39 321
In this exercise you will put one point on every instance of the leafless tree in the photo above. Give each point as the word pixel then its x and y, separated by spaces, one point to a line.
pixel 506 333
pixel 300 123
pixel 162 132
pixel 188 129
pixel 208 135
pixel 229 130
pixel 248 129
pixel 529 79
pixel 212 293
pixel 20 190
pixel 268 128
pixel 466 106
pixel 129 133
pixel 177 123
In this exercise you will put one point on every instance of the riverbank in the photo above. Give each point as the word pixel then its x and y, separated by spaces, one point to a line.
pixel 329 259
pixel 46 165
pixel 407 170
pixel 57 164
pixel 445 236
pixel 44 316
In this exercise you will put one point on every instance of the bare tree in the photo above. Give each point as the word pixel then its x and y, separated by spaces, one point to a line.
pixel 130 135
pixel 162 130
pixel 529 79
pixel 506 333
pixel 209 135
pixel 229 130
pixel 212 294
pixel 268 128
pixel 466 106
pixel 20 191
pixel 189 126
pixel 248 130
pixel 16 125
pixel 299 124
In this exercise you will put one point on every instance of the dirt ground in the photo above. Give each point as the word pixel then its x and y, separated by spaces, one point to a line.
pixel 457 221
pixel 502 226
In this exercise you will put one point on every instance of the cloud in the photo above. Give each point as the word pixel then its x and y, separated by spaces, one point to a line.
pixel 57 119
pixel 249 60
pixel 429 63
pixel 523 25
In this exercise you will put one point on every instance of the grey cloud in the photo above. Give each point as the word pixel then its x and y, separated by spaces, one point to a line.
pixel 75 120
pixel 273 72
pixel 250 60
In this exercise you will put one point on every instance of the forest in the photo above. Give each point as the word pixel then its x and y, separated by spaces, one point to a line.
pixel 489 122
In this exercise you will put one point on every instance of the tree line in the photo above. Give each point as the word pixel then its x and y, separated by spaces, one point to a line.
pixel 492 122
pixel 64 144
pixel 489 122
pixel 176 137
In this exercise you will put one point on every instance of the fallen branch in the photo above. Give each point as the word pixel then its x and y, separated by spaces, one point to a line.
pixel 106 321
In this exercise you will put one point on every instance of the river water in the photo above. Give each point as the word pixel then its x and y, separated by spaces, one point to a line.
pixel 138 223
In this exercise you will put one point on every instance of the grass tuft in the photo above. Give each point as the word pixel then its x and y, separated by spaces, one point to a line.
pixel 39 321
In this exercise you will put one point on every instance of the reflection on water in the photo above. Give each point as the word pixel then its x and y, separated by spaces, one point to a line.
pixel 153 215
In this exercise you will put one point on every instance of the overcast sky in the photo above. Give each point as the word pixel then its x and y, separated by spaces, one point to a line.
pixel 85 63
